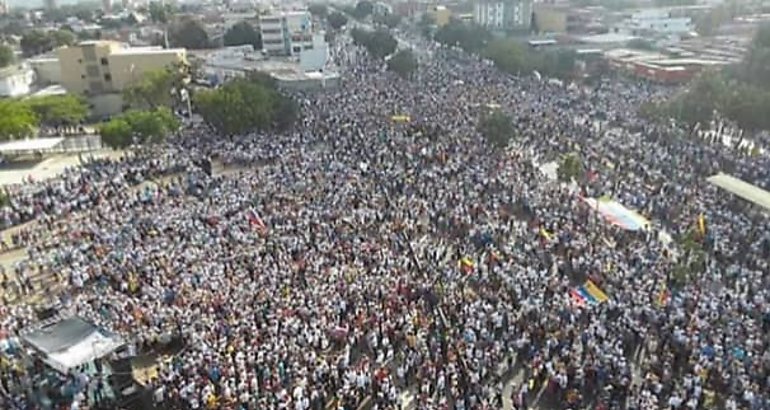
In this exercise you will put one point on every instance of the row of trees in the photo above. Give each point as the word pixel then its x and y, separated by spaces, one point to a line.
pixel 20 118
pixel 139 126
pixel 38 42
pixel 509 55
pixel 740 93
pixel 239 106
pixel 379 43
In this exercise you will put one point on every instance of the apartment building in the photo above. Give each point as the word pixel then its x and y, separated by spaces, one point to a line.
pixel 100 70
pixel 503 14
pixel 286 33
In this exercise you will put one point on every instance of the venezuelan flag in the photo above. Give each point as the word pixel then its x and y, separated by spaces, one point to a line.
pixel 586 295
pixel 577 297
pixel 595 292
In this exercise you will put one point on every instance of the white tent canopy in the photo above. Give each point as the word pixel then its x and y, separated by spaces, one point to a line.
pixel 742 189
pixel 71 342
pixel 36 144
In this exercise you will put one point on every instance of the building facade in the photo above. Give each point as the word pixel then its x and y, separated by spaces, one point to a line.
pixel 508 15
pixel 101 70
pixel 287 33
pixel 16 80
pixel 658 21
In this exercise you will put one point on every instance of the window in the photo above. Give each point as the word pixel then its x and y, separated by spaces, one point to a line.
pixel 108 77
pixel 82 76
pixel 104 61
pixel 80 61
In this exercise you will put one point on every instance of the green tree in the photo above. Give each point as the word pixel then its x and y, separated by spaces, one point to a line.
pixel 116 133
pixel 36 42
pixel 151 126
pixel 337 20
pixel 640 44
pixel 403 63
pixel 146 127
pixel 509 56
pixel 470 37
pixel 189 34
pixel 17 120
pixel 58 110
pixel 755 68
pixel 570 167
pixel 318 10
pixel 389 20
pixel 160 12
pixel 426 25
pixel 155 88
pixel 6 56
pixel 61 38
pixel 379 43
pixel 697 104
pixel 243 105
pixel 497 128
pixel 243 33
pixel 363 9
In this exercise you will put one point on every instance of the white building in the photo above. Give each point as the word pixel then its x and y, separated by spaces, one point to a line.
pixel 315 58
pixel 503 14
pixel 286 33
pixel 16 80
pixel 657 21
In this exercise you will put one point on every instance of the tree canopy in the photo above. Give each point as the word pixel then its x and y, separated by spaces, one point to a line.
pixel 58 110
pixel 337 20
pixel 516 58
pixel 37 42
pixel 17 120
pixel 318 9
pixel 244 105
pixel 189 34
pixel 243 33
pixel 146 127
pixel 388 20
pixel 379 43
pixel 155 88
pixel 739 93
pixel 160 12
pixel 571 166
pixel 6 56
pixel 497 128
pixel 470 37
pixel 403 63
pixel 363 9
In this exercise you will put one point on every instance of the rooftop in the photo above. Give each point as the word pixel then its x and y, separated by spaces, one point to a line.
pixel 743 189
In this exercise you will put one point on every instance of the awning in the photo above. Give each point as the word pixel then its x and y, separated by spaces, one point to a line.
pixel 36 144
pixel 741 188
pixel 71 342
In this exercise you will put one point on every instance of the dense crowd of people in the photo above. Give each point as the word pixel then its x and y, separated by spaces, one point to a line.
pixel 357 258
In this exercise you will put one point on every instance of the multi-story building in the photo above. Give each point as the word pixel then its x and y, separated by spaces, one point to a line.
pixel 657 21
pixel 101 70
pixel 506 15
pixel 51 4
pixel 4 9
pixel 107 6
pixel 286 33
pixel 16 80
